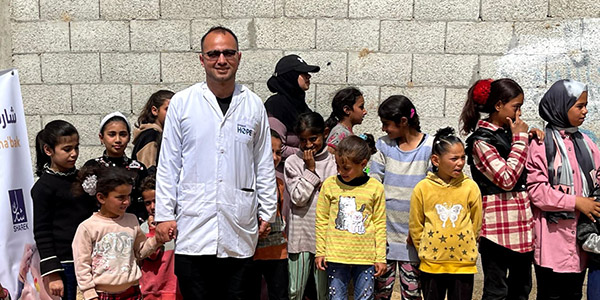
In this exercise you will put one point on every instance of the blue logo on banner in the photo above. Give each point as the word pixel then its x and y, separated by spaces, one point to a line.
pixel 17 205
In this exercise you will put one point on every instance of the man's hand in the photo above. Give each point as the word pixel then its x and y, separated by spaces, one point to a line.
pixel 264 228
pixel 166 231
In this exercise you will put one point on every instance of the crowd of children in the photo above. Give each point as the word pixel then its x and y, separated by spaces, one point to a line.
pixel 414 217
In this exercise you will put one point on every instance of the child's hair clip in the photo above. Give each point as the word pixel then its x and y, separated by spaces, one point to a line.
pixel 89 184
pixel 412 113
pixel 363 136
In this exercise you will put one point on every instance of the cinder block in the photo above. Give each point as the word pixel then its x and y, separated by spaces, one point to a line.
pixel 593 107
pixel 547 37
pixel 190 9
pixel 333 65
pixel 141 92
pixel 130 67
pixel 412 36
pixel 531 103
pixel 101 98
pixel 316 8
pixel 345 34
pixel 382 9
pixel 257 65
pixel 46 99
pixel 478 37
pixel 248 8
pixel 430 124
pixel 89 152
pixel 591 32
pixel 99 36
pixel 88 127
pixel 181 67
pixel 455 101
pixel 241 27
pixel 29 68
pixel 326 92
pixel 508 10
pixel 379 68
pixel 574 8
pixel 429 101
pixel 67 10
pixel 34 125
pixel 129 9
pixel 444 69
pixel 446 9
pixel 70 67
pixel 283 33
pixel 25 10
pixel 527 70
pixel 160 35
pixel 32 37
pixel 579 66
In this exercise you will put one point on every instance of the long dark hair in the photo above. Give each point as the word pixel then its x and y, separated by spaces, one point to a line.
pixel 50 136
pixel 503 89
pixel 157 100
pixel 396 107
pixel 345 97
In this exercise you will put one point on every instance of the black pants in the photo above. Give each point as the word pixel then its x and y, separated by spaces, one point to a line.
pixel 552 285
pixel 275 273
pixel 458 286
pixel 506 273
pixel 209 277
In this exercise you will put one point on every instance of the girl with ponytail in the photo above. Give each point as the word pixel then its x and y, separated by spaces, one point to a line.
pixel 348 109
pixel 497 151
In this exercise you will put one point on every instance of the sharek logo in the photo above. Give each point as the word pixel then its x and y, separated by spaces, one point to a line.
pixel 17 205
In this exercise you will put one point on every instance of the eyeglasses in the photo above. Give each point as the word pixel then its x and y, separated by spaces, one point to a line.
pixel 215 54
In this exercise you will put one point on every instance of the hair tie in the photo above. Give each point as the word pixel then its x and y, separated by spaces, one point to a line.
pixel 481 91
pixel 412 113
pixel 89 184
pixel 363 136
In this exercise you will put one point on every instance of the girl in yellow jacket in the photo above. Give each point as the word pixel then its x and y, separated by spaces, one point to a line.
pixel 444 222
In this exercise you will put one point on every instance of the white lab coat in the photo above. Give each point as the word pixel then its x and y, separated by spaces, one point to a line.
pixel 216 174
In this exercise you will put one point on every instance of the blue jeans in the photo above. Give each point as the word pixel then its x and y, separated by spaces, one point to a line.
pixel 339 275
pixel 69 281
pixel 593 284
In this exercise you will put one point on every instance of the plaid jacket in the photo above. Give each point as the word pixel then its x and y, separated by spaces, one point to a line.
pixel 507 217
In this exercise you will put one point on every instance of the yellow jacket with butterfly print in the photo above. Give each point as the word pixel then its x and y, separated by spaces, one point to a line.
pixel 444 223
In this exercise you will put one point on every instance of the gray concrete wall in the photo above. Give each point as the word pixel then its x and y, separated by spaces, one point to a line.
pixel 80 59
pixel 5 36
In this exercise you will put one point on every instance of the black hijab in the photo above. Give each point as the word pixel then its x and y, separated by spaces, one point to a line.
pixel 289 100
pixel 554 108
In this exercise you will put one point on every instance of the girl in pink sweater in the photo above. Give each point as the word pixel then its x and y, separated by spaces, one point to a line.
pixel 108 245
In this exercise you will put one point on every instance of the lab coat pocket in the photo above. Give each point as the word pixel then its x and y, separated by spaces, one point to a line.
pixel 190 203
pixel 245 130
pixel 246 207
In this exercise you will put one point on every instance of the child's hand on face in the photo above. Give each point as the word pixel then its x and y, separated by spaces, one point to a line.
pixel 309 160
pixel 320 263
pixel 518 126
pixel 380 269
pixel 151 223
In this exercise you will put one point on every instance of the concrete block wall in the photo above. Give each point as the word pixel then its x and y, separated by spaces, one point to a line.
pixel 81 59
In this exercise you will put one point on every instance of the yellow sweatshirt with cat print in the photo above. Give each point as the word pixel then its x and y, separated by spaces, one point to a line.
pixel 444 223
pixel 350 221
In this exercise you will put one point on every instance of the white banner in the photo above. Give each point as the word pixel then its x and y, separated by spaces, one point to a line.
pixel 19 261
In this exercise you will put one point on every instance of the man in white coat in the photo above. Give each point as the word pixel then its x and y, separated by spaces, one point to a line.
pixel 215 179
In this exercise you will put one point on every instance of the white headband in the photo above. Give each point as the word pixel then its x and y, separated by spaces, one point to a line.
pixel 114 114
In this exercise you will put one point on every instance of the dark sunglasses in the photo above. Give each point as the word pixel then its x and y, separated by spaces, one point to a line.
pixel 215 54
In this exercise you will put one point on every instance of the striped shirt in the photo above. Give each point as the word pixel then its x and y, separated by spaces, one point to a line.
pixel 507 217
pixel 350 222
pixel 400 171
